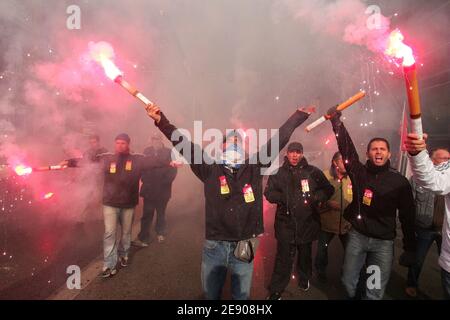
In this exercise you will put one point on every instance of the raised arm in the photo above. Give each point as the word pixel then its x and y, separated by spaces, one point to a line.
pixel 283 136
pixel 344 142
pixel 435 179
pixel 200 168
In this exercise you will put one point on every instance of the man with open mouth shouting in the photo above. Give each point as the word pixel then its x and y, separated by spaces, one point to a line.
pixel 378 192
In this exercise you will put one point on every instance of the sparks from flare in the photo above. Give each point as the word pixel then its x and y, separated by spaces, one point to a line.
pixel 48 195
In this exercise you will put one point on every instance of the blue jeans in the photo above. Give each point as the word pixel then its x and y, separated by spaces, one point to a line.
pixel 373 252
pixel 218 257
pixel 445 278
pixel 111 245
pixel 425 239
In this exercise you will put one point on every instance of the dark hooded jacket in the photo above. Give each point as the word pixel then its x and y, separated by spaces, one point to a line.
pixel 157 182
pixel 378 192
pixel 298 191
pixel 231 215
pixel 121 173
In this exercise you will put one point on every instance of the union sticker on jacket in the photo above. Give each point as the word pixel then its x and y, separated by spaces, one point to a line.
pixel 224 189
pixel 368 195
pixel 112 167
pixel 128 165
pixel 305 185
pixel 349 189
pixel 248 193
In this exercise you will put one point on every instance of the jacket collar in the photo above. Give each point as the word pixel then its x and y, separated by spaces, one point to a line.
pixel 377 169
pixel 302 163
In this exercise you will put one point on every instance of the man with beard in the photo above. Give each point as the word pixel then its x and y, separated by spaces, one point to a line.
pixel 378 192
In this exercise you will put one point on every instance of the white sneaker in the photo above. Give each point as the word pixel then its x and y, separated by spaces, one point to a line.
pixel 160 238
pixel 304 285
pixel 124 262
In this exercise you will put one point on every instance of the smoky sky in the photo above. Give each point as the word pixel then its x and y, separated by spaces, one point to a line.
pixel 231 64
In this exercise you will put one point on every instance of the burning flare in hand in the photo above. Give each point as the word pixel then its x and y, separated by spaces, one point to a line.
pixel 397 49
pixel 22 170
pixel 103 53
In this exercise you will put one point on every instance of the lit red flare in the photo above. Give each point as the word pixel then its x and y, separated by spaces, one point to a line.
pixel 22 170
pixel 103 53
pixel 397 49
pixel 110 68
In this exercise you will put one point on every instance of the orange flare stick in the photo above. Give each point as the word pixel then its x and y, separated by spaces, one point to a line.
pixel 347 103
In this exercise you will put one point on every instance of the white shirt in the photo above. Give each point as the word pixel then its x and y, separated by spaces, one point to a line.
pixel 436 179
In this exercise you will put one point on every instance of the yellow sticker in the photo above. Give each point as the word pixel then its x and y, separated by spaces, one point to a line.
pixel 224 189
pixel 349 189
pixel 248 193
pixel 368 195
pixel 128 165
pixel 112 167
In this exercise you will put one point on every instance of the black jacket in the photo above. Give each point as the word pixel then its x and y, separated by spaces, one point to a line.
pixel 391 191
pixel 122 173
pixel 157 182
pixel 228 216
pixel 297 219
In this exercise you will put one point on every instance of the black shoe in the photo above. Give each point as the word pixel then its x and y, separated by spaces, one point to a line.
pixel 304 285
pixel 274 296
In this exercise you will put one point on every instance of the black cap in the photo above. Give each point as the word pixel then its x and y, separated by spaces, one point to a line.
pixel 295 146
pixel 124 137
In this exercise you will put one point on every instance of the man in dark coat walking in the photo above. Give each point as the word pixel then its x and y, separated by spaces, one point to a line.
pixel 156 191
pixel 298 188
pixel 378 192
